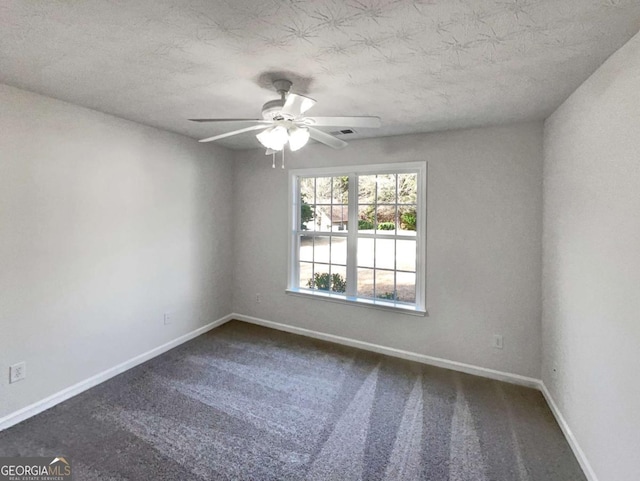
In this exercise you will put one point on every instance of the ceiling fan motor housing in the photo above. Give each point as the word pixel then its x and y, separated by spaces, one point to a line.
pixel 272 110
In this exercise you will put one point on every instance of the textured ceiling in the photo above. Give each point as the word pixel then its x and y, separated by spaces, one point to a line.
pixel 421 65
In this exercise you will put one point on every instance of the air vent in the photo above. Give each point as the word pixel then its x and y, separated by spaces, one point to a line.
pixel 343 132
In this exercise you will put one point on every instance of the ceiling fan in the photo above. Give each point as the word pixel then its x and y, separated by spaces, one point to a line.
pixel 283 122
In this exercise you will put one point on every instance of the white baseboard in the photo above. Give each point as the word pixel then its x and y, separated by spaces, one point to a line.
pixel 48 402
pixel 390 351
pixel 568 434
pixel 44 404
pixel 444 363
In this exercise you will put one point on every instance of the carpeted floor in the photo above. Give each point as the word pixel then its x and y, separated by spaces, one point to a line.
pixel 248 403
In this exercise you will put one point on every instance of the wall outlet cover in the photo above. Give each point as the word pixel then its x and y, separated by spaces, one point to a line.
pixel 17 372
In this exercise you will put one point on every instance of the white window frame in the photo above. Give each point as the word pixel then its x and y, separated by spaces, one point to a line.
pixel 350 297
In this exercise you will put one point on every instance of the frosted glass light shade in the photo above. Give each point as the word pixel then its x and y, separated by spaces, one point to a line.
pixel 274 138
pixel 298 137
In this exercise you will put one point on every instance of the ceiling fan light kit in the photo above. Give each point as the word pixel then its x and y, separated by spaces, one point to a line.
pixel 274 138
pixel 283 122
pixel 298 137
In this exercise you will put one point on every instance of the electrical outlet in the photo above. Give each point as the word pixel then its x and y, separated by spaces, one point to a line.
pixel 17 372
pixel 497 341
pixel 167 318
pixel 258 298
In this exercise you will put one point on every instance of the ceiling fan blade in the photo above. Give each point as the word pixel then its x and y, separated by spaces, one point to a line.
pixel 234 132
pixel 326 139
pixel 362 122
pixel 296 105
pixel 244 121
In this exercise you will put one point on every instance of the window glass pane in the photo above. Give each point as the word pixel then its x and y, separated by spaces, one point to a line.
pixel 338 278
pixel 366 189
pixel 341 190
pixel 308 189
pixel 385 280
pixel 339 250
pixel 306 273
pixel 321 279
pixel 339 218
pixel 386 188
pixel 365 282
pixel 385 253
pixel 386 217
pixel 407 216
pixel 407 188
pixel 321 249
pixel 406 286
pixel 323 190
pixel 323 219
pixel 366 217
pixel 307 216
pixel 306 248
pixel 406 255
pixel 365 252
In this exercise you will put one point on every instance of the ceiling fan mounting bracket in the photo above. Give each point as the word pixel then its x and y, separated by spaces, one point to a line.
pixel 282 86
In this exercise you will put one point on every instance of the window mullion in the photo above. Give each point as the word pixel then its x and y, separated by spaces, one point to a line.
pixel 352 237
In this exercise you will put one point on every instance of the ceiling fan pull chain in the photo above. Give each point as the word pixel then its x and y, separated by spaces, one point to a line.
pixel 273 157
pixel 283 158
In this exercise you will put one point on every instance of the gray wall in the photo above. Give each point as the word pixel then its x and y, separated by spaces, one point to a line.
pixel 105 225
pixel 484 246
pixel 591 314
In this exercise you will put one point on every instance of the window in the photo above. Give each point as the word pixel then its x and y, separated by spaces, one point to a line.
pixel 358 234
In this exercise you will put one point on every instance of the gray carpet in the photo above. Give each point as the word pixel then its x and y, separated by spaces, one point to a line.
pixel 248 403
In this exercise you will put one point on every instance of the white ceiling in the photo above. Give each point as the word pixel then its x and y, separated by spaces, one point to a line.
pixel 421 65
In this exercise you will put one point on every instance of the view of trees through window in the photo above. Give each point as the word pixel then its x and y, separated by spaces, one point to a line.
pixel 385 238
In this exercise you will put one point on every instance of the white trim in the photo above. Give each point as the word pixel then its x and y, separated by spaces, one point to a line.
pixel 447 364
pixel 385 168
pixel 294 217
pixel 421 238
pixel 352 238
pixel 568 434
pixel 44 404
pixel 397 307
pixel 50 401
pixel 390 351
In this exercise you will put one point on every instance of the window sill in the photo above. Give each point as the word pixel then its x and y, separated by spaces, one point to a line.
pixel 357 301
